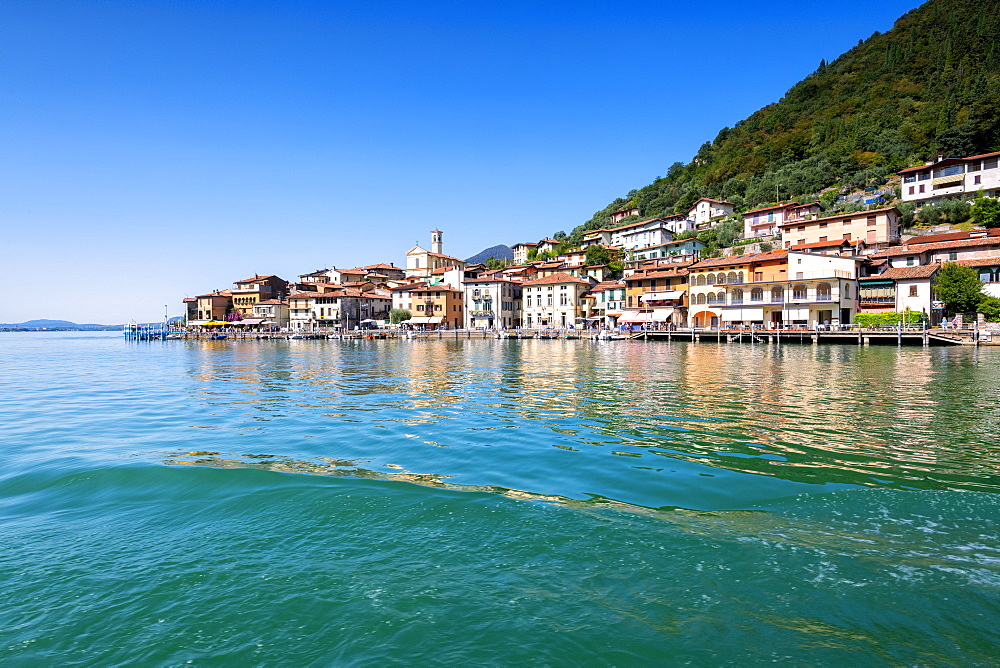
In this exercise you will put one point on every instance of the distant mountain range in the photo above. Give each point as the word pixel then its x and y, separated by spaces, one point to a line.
pixel 67 325
pixel 500 252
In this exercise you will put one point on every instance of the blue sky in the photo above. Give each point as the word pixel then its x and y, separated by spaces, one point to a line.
pixel 155 150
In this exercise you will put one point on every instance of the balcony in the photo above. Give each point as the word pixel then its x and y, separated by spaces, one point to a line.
pixel 777 300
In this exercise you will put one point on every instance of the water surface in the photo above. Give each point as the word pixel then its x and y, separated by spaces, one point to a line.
pixel 559 502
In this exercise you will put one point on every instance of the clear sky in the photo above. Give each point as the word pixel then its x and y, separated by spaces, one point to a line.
pixel 157 150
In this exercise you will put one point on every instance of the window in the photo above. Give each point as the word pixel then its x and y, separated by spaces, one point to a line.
pixel 953 255
pixel 802 228
pixel 756 295
pixel 871 221
pixel 799 292
pixel 912 189
pixel 923 176
pixel 990 164
pixel 777 295
pixel 909 179
pixel 974 166
pixel 910 261
pixel 737 296
pixel 822 226
pixel 913 290
pixel 822 239
pixel 711 279
pixel 976 180
pixel 758 276
pixel 733 278
pixel 721 280
pixel 800 242
pixel 921 188
pixel 847 237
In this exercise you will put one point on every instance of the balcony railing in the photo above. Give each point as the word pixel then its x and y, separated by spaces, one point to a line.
pixel 777 300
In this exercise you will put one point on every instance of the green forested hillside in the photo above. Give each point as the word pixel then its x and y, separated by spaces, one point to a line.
pixel 930 85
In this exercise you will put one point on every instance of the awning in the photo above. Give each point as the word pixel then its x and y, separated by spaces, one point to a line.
pixel 742 314
pixel 634 316
pixel 249 321
pixel 662 314
pixel 425 320
pixel 214 323
pixel 670 294
pixel 796 314
pixel 614 314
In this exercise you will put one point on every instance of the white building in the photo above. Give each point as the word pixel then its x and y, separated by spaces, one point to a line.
pixel 951 178
pixel 492 303
pixel 645 233
pixel 706 210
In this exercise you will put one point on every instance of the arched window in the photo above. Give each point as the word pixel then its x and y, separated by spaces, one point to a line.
pixel 777 295
pixel 798 291
pixel 700 280
pixel 757 295
pixel 721 280
pixel 739 277
pixel 737 296
pixel 721 298
pixel 699 298
pixel 823 292
pixel 710 279
pixel 732 277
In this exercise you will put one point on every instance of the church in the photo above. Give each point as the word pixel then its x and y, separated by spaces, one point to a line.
pixel 421 263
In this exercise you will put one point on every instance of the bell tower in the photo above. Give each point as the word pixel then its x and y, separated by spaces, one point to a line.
pixel 436 241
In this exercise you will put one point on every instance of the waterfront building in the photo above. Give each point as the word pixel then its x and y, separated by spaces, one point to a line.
pixel 657 295
pixel 608 301
pixel 190 310
pixel 343 308
pixel 271 313
pixel 256 289
pixel 554 300
pixel 437 305
pixel 420 263
pixel 492 302
pixel 952 178
pixel 900 289
pixel 878 229
pixel 777 288
pixel 766 221
pixel 706 210
pixel 213 306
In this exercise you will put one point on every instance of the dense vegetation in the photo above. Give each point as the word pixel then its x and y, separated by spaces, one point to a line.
pixel 930 85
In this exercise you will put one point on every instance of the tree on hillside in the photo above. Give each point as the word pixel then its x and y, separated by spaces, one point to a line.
pixel 986 212
pixel 958 287
pixel 494 263
pixel 398 315
pixel 532 254
pixel 728 231
pixel 597 254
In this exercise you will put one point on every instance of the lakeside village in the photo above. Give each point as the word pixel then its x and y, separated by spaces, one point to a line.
pixel 796 268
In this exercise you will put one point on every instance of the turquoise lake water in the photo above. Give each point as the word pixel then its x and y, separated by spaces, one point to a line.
pixel 496 502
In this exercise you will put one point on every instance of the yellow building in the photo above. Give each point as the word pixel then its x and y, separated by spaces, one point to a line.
pixel 437 305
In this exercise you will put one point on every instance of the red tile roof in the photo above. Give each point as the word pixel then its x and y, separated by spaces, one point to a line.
pixel 950 236
pixel 841 216
pixel 561 277
pixel 741 259
pixel 256 279
pixel 897 273
pixel 914 249
pixel 980 262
